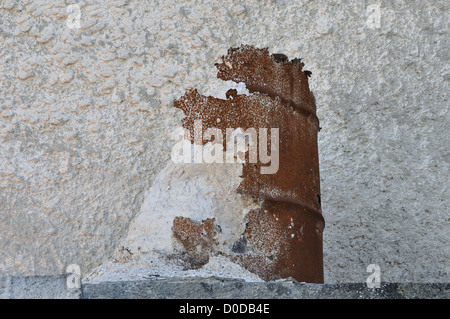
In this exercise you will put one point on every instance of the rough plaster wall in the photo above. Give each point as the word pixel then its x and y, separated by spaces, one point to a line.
pixel 86 116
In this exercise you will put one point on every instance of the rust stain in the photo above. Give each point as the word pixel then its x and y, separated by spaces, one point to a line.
pixel 273 75
pixel 284 240
pixel 199 239
pixel 284 237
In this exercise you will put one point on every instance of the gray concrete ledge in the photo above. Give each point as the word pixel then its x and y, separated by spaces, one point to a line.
pixel 55 287
pixel 37 287
pixel 236 289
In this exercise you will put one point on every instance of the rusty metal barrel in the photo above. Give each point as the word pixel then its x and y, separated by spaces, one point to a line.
pixel 284 236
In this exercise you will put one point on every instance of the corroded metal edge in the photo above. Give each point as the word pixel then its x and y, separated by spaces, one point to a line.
pixel 283 237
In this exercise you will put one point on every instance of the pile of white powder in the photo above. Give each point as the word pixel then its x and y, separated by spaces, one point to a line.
pixel 152 266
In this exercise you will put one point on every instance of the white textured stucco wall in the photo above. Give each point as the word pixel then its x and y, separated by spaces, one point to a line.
pixel 86 116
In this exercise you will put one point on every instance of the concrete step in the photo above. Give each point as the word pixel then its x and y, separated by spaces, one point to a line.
pixel 55 287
